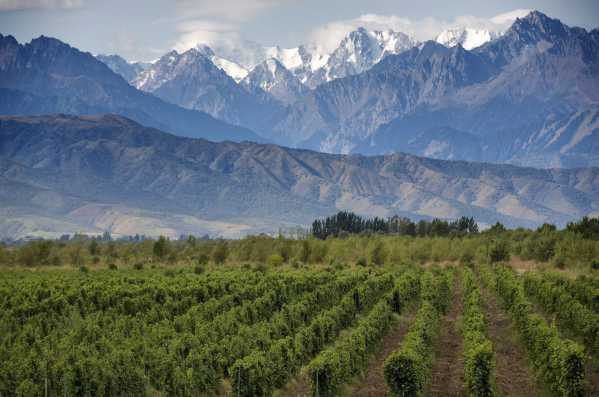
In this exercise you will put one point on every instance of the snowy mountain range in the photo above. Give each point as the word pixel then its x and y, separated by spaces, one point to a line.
pixel 303 67
pixel 468 38
pixel 528 96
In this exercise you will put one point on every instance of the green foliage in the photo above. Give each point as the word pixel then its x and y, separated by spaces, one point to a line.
pixel 131 333
pixel 349 354
pixel 378 253
pixel 199 269
pixel 560 362
pixel 275 260
pixel 345 223
pixel 267 368
pixel 161 248
pixel 362 262
pixel 499 251
pixel 220 253
pixel 587 227
pixel 566 249
pixel 478 349
pixel 94 248
pixel 555 295
pixel 407 369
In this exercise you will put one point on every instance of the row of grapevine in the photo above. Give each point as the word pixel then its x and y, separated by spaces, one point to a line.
pixel 261 372
pixel 108 352
pixel 285 322
pixel 585 289
pixel 571 314
pixel 126 295
pixel 232 333
pixel 349 355
pixel 559 361
pixel 478 349
pixel 407 369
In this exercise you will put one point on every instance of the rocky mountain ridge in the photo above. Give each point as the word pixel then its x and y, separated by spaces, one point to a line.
pixel 60 174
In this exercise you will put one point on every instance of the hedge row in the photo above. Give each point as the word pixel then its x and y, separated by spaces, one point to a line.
pixel 570 313
pixel 407 369
pixel 559 362
pixel 263 371
pixel 478 349
pixel 350 354
pixel 584 288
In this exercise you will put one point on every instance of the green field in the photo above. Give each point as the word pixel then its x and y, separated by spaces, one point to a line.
pixel 359 308
pixel 321 331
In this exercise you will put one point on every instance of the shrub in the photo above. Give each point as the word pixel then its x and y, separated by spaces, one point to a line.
pixel 378 254
pixel 362 261
pixel 138 266
pixel 83 269
pixel 202 259
pixel 275 260
pixel 161 247
pixel 199 269
pixel 559 262
pixel 499 252
pixel 220 253
pixel 112 266
pixel 260 267
pixel 467 259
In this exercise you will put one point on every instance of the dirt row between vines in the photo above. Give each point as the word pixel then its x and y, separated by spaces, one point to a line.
pixel 372 384
pixel 513 375
pixel 447 374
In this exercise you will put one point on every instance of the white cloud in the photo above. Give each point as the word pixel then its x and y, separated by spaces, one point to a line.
pixel 13 5
pixel 205 32
pixel 216 21
pixel 328 36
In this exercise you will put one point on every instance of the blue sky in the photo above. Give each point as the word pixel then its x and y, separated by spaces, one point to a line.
pixel 146 29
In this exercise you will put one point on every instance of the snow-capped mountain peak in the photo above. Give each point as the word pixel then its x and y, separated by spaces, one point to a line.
pixel 234 70
pixel 273 77
pixel 468 38
pixel 360 50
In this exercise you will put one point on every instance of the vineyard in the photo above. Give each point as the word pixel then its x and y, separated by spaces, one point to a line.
pixel 312 331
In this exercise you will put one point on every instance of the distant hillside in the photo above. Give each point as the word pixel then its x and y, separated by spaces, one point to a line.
pixel 62 174
pixel 48 76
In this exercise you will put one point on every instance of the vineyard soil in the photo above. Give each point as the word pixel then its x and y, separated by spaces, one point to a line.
pixel 373 382
pixel 513 376
pixel 447 378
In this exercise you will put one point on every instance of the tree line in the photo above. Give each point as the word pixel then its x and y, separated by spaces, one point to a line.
pixel 345 222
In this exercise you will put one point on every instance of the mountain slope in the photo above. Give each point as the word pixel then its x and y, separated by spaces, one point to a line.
pixel 272 77
pixel 193 81
pixel 48 76
pixel 120 66
pixel 502 92
pixel 468 38
pixel 358 51
pixel 110 173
